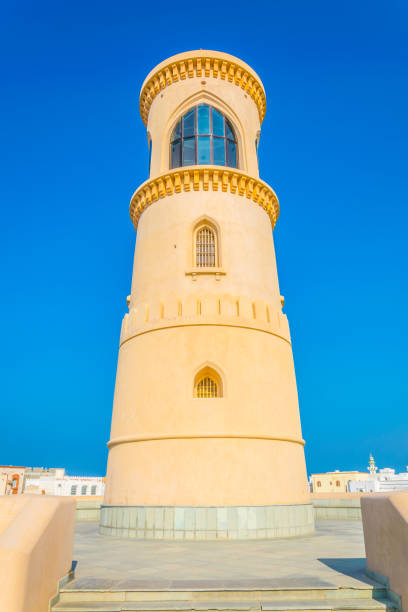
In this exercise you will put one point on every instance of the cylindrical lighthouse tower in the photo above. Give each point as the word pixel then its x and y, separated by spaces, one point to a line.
pixel 206 440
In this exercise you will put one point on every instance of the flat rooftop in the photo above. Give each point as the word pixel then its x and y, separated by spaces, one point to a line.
pixel 333 557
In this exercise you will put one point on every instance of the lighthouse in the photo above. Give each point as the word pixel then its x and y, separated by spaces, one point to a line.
pixel 206 438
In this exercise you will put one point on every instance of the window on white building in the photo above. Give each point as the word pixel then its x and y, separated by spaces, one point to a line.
pixel 83 490
pixel 73 489
pixel 93 490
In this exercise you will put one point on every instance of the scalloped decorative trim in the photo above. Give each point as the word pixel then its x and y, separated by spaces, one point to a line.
pixel 196 178
pixel 197 67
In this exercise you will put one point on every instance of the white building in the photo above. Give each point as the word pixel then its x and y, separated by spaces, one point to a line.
pixel 381 482
pixel 372 481
pixel 80 485
pixel 54 481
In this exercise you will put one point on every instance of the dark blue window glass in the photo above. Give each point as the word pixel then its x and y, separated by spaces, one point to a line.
pixel 230 133
pixel 188 123
pixel 176 153
pixel 189 152
pixel 203 121
pixel 232 154
pixel 204 150
pixel 177 131
pixel 219 151
pixel 218 123
pixel 203 136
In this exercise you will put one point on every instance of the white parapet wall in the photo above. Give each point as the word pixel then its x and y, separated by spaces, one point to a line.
pixel 88 509
pixel 337 508
pixel 345 508
pixel 36 540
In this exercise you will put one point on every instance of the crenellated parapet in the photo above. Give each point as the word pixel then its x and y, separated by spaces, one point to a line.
pixel 205 178
pixel 202 64
pixel 205 309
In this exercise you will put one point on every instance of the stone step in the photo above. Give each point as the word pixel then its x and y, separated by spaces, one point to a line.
pixel 357 604
pixel 220 595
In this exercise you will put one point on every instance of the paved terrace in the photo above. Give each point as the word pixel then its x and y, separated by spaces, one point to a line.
pixel 333 557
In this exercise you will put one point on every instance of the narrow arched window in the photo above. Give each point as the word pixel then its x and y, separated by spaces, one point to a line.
pixel 207 387
pixel 205 247
pixel 207 384
pixel 203 136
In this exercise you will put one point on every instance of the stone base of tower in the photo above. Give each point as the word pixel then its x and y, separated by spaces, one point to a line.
pixel 207 523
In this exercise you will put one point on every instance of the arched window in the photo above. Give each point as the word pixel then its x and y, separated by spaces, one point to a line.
pixel 203 136
pixel 207 387
pixel 319 484
pixel 337 483
pixel 205 247
pixel 207 384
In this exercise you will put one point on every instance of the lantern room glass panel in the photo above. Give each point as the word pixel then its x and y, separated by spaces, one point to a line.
pixel 203 119
pixel 219 151
pixel 203 136
pixel 189 152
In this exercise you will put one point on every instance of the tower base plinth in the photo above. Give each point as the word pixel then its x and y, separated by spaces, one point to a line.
pixel 207 522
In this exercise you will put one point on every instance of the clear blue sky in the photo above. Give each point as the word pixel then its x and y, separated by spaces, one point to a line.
pixel 73 150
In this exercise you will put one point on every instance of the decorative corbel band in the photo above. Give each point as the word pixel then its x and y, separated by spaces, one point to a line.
pixel 191 67
pixel 196 178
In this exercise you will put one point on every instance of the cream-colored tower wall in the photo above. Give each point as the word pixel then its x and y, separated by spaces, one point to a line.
pixel 167 447
pixel 173 449
pixel 164 254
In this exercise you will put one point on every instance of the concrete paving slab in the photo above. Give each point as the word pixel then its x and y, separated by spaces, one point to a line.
pixel 334 556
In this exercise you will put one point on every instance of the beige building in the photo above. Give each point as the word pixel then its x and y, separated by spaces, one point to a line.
pixel 11 479
pixel 336 482
pixel 206 438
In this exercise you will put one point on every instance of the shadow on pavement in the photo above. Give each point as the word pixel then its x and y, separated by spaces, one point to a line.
pixel 354 567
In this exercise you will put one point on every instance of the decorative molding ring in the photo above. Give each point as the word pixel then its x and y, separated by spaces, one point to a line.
pixel 201 66
pixel 155 438
pixel 162 327
pixel 196 178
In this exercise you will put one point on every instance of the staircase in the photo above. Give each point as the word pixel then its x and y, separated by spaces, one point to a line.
pixel 369 598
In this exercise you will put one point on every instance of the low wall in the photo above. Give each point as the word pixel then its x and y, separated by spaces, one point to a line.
pixel 206 523
pixel 36 540
pixel 385 525
pixel 342 507
pixel 336 508
pixel 88 509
